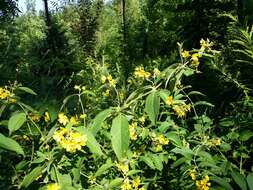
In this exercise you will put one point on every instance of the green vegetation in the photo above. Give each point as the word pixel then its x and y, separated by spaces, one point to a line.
pixel 127 94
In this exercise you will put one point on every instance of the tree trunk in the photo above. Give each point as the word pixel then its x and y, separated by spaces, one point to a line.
pixel 124 31
pixel 240 11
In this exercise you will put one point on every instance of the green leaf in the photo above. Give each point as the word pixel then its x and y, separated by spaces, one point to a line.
pixel 221 182
pixel 250 181
pixel 115 183
pixel 226 122
pixel 225 147
pixel 103 169
pixel 239 179
pixel 92 143
pixel 152 106
pixel 16 121
pixel 179 162
pixel 186 152
pixel 174 138
pixel 133 172
pixel 28 90
pixel 68 187
pixel 203 103
pixel 99 119
pixel 148 161
pixel 196 93
pixel 158 163
pixel 164 94
pixel 10 144
pixel 245 135
pixel 65 180
pixel 120 136
pixel 29 178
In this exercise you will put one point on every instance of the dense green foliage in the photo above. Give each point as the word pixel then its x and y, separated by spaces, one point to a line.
pixel 127 94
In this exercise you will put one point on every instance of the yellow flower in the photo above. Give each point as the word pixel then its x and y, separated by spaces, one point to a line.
pixel 179 110
pixel 132 131
pixel 112 83
pixel 123 166
pixel 195 57
pixel 203 184
pixel 53 186
pixel 162 140
pixel 83 88
pixel 12 100
pixel 215 142
pixel 83 116
pixel 47 117
pixel 158 147
pixel 195 60
pixel 73 120
pixel 62 118
pixel 156 72
pixel 92 179
pixel 126 185
pixel 4 93
pixel 141 73
pixel 193 173
pixel 35 118
pixel 142 119
pixel 103 79
pixel 106 93
pixel 169 100
pixel 136 182
pixel 142 188
pixel 205 45
pixel 25 137
pixel 77 87
pixel 185 54
pixel 70 140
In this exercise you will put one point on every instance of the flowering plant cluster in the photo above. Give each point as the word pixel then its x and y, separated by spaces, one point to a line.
pixel 152 133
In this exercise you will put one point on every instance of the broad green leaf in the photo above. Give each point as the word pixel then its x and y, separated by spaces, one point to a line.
pixel 53 112
pixel 174 138
pixel 221 182
pixel 92 143
pixel 120 136
pixel 245 135
pixel 105 167
pixel 65 181
pixel 250 181
pixel 21 165
pixel 239 179
pixel 99 119
pixel 196 93
pixel 148 161
pixel 179 162
pixel 189 72
pixel 28 90
pixel 133 172
pixel 186 152
pixel 152 106
pixel 10 144
pixel 226 122
pixel 158 163
pixel 164 94
pixel 203 103
pixel 115 183
pixel 29 178
pixel 225 147
pixel 68 187
pixel 76 171
pixel 16 121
